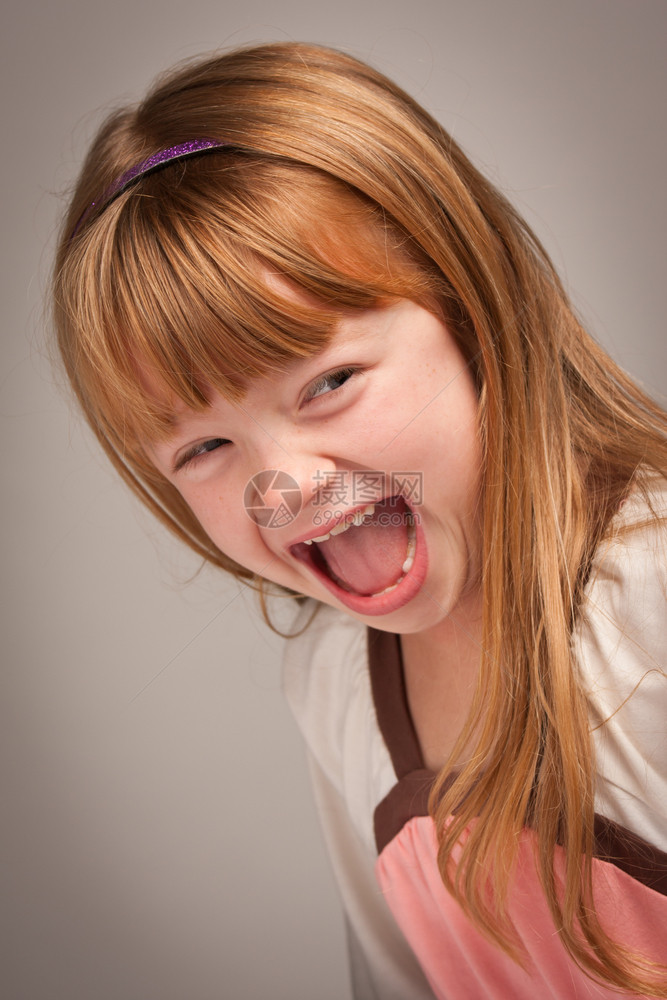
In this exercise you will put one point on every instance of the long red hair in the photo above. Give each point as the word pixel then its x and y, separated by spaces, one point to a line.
pixel 339 181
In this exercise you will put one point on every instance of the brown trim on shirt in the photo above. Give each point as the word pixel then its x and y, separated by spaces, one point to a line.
pixel 407 799
pixel 632 854
pixel 409 796
pixel 391 702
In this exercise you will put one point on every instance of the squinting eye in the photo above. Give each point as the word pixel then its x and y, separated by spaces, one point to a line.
pixel 198 450
pixel 329 382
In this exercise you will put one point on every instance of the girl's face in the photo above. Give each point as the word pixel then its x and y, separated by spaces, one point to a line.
pixel 380 428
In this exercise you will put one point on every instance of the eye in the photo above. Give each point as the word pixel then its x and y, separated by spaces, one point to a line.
pixel 197 451
pixel 329 382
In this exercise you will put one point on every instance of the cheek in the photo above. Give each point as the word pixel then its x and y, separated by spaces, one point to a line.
pixel 223 518
pixel 445 441
pixel 238 538
pixel 385 430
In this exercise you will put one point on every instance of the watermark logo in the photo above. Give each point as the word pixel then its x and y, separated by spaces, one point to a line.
pixel 363 486
pixel 272 498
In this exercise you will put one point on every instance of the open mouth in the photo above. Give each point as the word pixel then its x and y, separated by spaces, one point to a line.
pixel 372 560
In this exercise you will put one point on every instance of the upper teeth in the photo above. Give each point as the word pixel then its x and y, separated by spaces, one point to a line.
pixel 357 519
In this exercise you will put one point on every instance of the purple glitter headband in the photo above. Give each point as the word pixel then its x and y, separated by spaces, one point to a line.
pixel 155 162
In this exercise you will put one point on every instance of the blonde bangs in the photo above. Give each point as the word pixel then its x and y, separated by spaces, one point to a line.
pixel 217 283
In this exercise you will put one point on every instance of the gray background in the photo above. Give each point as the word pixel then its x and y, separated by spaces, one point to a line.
pixel 158 839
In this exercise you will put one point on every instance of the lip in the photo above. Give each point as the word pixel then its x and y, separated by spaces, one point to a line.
pixel 372 606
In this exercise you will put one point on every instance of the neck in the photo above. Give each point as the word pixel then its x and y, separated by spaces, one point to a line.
pixel 440 668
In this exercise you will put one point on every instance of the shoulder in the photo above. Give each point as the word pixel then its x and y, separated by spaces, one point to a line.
pixel 325 680
pixel 326 650
pixel 619 643
pixel 626 596
pixel 328 688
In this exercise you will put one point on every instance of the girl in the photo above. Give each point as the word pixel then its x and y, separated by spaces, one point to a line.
pixel 329 355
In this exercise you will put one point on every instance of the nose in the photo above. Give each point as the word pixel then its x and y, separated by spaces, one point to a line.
pixel 284 477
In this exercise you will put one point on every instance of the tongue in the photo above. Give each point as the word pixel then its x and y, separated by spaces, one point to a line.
pixel 369 557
